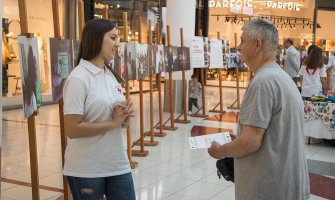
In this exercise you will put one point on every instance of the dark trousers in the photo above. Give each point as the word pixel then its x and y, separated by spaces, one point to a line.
pixel 191 102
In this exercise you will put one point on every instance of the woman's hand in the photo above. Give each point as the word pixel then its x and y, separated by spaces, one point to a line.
pixel 119 114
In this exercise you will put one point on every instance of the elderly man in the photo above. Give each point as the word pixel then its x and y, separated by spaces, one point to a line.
pixel 292 60
pixel 270 161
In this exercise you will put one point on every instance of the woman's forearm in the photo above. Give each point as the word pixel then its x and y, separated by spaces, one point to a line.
pixel 87 129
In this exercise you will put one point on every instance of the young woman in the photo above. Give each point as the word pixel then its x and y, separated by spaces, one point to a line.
pixel 95 109
pixel 313 74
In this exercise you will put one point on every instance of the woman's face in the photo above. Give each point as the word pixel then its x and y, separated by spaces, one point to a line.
pixel 110 44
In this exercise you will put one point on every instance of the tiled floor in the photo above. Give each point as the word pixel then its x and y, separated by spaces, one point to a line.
pixel 171 171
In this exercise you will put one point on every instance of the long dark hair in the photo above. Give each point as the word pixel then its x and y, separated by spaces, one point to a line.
pixel 314 59
pixel 92 37
pixel 31 77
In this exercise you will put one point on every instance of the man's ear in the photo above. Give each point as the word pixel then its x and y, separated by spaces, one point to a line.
pixel 259 45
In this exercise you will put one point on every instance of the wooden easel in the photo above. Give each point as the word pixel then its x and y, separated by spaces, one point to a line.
pixel 133 164
pixel 220 89
pixel 171 95
pixel 31 119
pixel 159 125
pixel 184 113
pixel 202 80
pixel 150 133
pixel 141 152
pixel 61 102
pixel 237 71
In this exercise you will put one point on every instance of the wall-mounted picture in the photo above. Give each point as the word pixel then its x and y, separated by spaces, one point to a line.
pixel 184 59
pixel 235 59
pixel 131 61
pixel 30 74
pixel 168 58
pixel 197 53
pixel 152 52
pixel 160 65
pixel 225 52
pixel 142 61
pixel 61 56
pixel 207 52
pixel 216 58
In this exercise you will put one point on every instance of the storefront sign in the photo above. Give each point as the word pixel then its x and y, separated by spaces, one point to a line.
pixel 230 3
pixel 283 5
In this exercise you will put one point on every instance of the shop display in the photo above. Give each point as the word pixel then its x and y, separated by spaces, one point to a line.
pixel 216 58
pixel 207 52
pixel 61 56
pixel 160 65
pixel 131 61
pixel 235 60
pixel 30 73
pixel 197 52
pixel 184 58
pixel 142 69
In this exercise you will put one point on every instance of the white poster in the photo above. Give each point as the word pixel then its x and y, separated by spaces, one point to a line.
pixel 197 53
pixel 216 58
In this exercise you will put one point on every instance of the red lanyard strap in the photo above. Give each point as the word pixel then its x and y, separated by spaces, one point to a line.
pixel 307 70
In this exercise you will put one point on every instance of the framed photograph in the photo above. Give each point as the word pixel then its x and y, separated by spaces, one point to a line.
pixel 225 53
pixel 235 59
pixel 216 58
pixel 197 52
pixel 184 58
pixel 142 67
pixel 207 52
pixel 30 74
pixel 152 52
pixel 175 59
pixel 168 59
pixel 160 64
pixel 131 61
pixel 61 56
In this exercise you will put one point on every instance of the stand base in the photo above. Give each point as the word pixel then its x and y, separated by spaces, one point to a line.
pixel 199 115
pixel 181 121
pixel 169 128
pixel 233 108
pixel 147 143
pixel 156 134
pixel 139 153
pixel 217 111
pixel 133 164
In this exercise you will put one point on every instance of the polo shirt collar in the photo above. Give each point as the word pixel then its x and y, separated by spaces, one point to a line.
pixel 90 67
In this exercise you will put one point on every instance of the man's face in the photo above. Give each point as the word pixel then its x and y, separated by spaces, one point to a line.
pixel 247 49
pixel 286 45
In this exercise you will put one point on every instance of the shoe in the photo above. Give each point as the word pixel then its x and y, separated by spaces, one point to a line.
pixel 190 112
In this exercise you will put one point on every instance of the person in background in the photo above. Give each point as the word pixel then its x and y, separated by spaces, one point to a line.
pixel 95 109
pixel 292 60
pixel 331 71
pixel 313 74
pixel 195 90
pixel 269 152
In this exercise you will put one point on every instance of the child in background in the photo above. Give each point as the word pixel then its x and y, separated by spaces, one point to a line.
pixel 195 89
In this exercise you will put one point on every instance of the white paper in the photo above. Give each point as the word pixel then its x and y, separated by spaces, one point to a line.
pixel 216 58
pixel 205 141
pixel 197 53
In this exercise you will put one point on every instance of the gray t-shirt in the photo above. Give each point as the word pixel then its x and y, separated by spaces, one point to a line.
pixel 195 90
pixel 278 170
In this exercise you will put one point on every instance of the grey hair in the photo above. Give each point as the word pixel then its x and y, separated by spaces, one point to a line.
pixel 263 30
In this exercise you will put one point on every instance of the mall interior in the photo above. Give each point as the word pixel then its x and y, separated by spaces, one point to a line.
pixel 160 141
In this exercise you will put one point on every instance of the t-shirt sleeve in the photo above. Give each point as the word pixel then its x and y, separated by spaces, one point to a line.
pixel 199 85
pixel 323 72
pixel 257 108
pixel 75 93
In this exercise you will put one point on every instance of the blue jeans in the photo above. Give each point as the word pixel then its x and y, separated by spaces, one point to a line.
pixel 114 188
pixel 192 101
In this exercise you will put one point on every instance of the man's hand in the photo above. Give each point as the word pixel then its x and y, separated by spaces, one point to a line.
pixel 214 150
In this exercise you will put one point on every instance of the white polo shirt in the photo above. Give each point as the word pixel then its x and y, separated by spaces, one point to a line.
pixel 311 83
pixel 92 92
